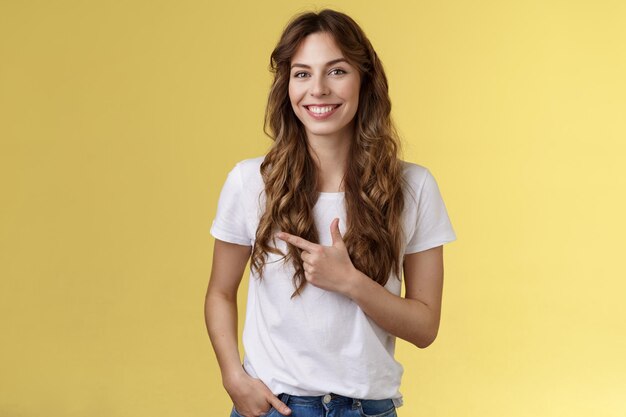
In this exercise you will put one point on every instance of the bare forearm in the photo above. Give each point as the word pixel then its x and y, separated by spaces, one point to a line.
pixel 221 322
pixel 405 318
pixel 414 318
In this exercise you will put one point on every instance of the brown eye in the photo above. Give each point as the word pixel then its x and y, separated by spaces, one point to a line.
pixel 338 71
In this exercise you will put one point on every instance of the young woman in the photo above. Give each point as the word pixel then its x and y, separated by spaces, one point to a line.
pixel 329 219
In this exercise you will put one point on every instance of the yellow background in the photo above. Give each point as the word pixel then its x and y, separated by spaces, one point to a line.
pixel 119 121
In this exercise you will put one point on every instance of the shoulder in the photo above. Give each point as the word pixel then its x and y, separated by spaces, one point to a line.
pixel 248 170
pixel 249 166
pixel 245 178
pixel 413 171
pixel 415 176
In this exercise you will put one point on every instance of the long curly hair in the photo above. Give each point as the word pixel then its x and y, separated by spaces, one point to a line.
pixel 374 177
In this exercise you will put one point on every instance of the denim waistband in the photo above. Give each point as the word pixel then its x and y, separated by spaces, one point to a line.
pixel 328 399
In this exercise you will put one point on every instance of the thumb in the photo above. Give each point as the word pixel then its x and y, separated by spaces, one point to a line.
pixel 335 233
pixel 280 406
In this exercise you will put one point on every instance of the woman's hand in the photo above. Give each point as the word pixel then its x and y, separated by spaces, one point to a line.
pixel 327 267
pixel 252 398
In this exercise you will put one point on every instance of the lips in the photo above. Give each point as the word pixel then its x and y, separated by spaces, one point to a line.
pixel 321 111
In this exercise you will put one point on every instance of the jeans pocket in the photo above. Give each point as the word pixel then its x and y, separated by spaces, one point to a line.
pixel 235 413
pixel 377 408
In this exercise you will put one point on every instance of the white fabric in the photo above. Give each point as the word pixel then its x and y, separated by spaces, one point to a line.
pixel 321 342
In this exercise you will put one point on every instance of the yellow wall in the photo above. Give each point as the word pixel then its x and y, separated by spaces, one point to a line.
pixel 119 121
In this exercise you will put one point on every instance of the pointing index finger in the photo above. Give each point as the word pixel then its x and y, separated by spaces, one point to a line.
pixel 297 241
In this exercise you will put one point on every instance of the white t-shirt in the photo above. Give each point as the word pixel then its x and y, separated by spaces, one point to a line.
pixel 321 341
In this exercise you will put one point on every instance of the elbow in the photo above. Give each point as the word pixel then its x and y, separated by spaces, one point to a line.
pixel 423 344
pixel 425 340
pixel 426 335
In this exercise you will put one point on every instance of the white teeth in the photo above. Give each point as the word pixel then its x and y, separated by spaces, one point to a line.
pixel 321 110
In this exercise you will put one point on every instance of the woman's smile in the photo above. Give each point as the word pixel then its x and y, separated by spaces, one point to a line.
pixel 321 112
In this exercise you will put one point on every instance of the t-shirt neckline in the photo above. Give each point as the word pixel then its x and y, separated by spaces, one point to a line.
pixel 329 195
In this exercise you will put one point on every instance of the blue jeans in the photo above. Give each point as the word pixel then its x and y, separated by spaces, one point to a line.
pixel 331 405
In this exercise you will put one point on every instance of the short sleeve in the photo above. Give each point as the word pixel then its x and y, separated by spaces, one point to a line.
pixel 229 224
pixel 432 227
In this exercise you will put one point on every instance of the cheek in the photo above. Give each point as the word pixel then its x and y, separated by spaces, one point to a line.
pixel 294 94
pixel 350 91
pixel 356 87
pixel 352 94
pixel 294 99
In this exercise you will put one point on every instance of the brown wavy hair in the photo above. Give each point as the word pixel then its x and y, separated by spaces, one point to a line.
pixel 374 177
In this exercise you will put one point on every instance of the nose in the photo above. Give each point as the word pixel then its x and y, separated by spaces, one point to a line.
pixel 319 87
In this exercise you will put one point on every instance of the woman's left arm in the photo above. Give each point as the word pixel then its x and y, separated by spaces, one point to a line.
pixel 414 318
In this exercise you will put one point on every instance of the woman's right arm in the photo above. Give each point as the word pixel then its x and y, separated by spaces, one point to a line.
pixel 250 395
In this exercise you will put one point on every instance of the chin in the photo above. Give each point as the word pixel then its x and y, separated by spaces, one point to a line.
pixel 323 132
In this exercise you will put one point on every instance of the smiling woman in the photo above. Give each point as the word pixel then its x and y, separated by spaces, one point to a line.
pixel 330 219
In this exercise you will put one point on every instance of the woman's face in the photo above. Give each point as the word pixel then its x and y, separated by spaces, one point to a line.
pixel 323 88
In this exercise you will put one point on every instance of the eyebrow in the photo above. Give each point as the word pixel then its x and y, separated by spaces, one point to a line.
pixel 329 63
